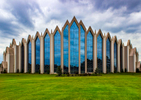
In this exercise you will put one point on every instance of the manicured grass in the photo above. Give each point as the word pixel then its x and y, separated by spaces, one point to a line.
pixel 124 86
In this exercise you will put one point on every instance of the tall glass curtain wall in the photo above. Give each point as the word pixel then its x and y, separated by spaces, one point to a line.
pixel 47 54
pixel 121 69
pixel 37 54
pixel 108 55
pixel 74 47
pixel 57 50
pixel 99 53
pixel 22 58
pixel 115 57
pixel 89 52
pixel 82 49
pixel 29 57
pixel 65 40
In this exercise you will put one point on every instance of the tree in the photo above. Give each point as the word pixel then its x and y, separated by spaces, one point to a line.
pixel 97 71
pixel 59 71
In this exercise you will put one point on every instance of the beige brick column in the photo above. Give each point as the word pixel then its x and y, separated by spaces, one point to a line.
pixel 19 57
pixel 42 55
pixel 25 57
pixel 8 61
pixel 62 54
pixel 104 54
pixel 127 58
pixel 95 52
pixel 51 54
pixel 118 57
pixel 33 56
pixel 112 56
pixel 15 59
pixel 134 62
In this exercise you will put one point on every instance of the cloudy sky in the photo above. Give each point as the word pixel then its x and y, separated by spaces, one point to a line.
pixel 19 18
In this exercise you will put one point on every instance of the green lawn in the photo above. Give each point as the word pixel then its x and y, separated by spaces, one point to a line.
pixel 122 86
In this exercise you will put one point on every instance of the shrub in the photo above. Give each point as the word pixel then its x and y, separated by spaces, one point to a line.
pixel 97 71
pixel 125 70
pixel 39 71
pixel 22 71
pixel 122 71
pixel 29 71
pixel 17 70
pixel 137 70
pixel 5 71
pixel 68 74
pixel 59 70
pixel 48 71
pixel 76 73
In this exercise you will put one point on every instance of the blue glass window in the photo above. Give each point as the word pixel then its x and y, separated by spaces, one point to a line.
pixel 74 47
pixel 121 69
pixel 29 57
pixel 65 40
pixel 82 49
pixel 108 55
pixel 99 53
pixel 115 57
pixel 57 50
pixel 46 54
pixel 89 52
pixel 37 50
pixel 22 58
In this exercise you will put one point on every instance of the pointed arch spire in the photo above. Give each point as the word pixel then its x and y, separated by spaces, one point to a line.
pixel 46 32
pixel 108 36
pixel 81 23
pixel 99 33
pixel 37 35
pixel 90 30
pixel 29 38
pixel 67 23
pixel 57 29
pixel 74 20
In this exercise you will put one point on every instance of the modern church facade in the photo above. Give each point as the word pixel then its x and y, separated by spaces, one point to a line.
pixel 74 48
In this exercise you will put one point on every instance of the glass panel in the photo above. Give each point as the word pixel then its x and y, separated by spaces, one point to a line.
pixel 47 54
pixel 57 50
pixel 29 58
pixel 82 49
pixel 121 69
pixel 99 53
pixel 108 55
pixel 37 50
pixel 22 58
pixel 74 47
pixel 65 40
pixel 89 52
pixel 115 57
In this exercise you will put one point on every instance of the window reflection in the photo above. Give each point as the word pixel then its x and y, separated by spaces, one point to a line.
pixel 89 52
pixel 29 57
pixel 37 49
pixel 82 49
pixel 65 40
pixel 108 55
pixel 115 57
pixel 99 53
pixel 57 50
pixel 46 54
pixel 22 58
pixel 74 47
